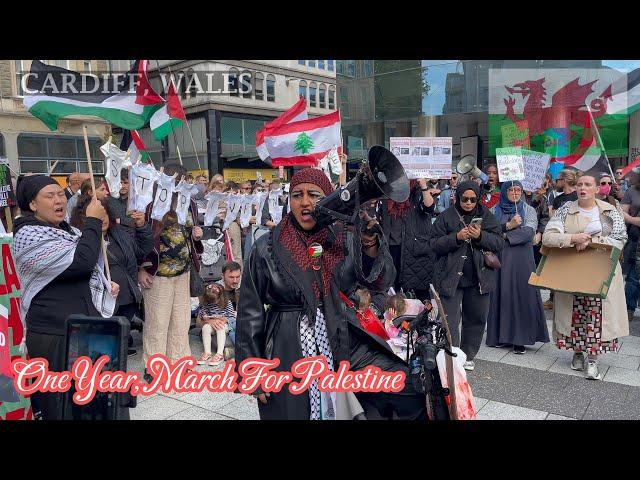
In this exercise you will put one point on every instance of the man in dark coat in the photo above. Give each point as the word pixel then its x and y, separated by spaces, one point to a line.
pixel 298 270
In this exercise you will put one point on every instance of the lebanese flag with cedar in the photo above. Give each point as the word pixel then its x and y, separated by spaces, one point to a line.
pixel 304 143
pixel 296 113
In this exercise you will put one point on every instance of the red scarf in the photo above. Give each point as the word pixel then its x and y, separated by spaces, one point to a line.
pixel 297 242
pixel 399 210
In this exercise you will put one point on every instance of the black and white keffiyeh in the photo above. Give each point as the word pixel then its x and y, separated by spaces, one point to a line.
pixel 314 341
pixel 42 253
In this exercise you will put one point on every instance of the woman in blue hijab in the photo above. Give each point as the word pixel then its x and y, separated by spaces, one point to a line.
pixel 516 316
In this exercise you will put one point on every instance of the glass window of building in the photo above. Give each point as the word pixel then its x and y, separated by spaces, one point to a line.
pixel 271 88
pixel 351 68
pixel 340 67
pixel 258 85
pixel 302 90
pixel 1 145
pixel 323 94
pixel 344 103
pixel 19 69
pixel 245 84
pixel 301 62
pixel 57 63
pixel 37 153
pixel 321 64
pixel 330 65
pixel 87 66
pixel 368 68
pixel 312 63
pixel 189 157
pixel 233 83
pixel 332 97
pixel 313 91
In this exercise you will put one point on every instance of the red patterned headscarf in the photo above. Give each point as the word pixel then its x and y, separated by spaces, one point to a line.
pixel 297 241
pixel 399 210
pixel 314 176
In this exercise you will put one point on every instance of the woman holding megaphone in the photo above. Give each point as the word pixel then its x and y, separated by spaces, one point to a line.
pixel 299 270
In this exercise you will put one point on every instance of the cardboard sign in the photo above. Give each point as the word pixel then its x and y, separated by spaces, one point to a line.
pixel 423 157
pixel 510 164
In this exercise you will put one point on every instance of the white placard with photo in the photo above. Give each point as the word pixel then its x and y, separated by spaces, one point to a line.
pixel 510 164
pixel 423 157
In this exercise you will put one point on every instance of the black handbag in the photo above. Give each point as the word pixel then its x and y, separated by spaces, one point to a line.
pixel 491 260
pixel 196 284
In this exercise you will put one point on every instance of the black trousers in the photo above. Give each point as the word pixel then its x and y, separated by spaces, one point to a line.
pixel 396 252
pixel 51 348
pixel 468 305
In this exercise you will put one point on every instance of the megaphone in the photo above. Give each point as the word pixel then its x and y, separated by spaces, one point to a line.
pixel 468 166
pixel 381 176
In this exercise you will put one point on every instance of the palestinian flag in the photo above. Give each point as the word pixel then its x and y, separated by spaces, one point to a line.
pixel 296 113
pixel 304 143
pixel 169 116
pixel 127 101
pixel 138 150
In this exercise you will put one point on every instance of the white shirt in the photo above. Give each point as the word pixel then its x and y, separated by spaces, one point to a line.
pixel 595 225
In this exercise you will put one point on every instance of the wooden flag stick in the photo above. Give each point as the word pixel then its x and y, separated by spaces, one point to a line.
pixel 179 156
pixel 53 167
pixel 7 215
pixel 93 188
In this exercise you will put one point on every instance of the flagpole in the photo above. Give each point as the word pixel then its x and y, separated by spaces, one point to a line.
pixel 593 122
pixel 93 188
pixel 53 167
pixel 175 139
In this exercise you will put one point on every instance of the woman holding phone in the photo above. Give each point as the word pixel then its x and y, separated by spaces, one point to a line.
pixel 463 238
pixel 516 316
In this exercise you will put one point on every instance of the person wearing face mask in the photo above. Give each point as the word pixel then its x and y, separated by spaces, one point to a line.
pixel 589 326
pixel 299 270
pixel 606 190
pixel 516 316
pixel 464 275
pixel 61 271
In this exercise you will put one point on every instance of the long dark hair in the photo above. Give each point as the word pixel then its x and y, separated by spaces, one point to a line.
pixel 79 214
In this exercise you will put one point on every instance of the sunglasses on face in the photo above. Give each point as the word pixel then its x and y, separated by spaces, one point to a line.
pixel 464 199
pixel 606 183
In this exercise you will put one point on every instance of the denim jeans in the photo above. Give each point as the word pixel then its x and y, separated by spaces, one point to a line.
pixel 632 288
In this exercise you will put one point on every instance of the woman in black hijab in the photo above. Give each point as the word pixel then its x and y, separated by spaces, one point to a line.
pixel 461 237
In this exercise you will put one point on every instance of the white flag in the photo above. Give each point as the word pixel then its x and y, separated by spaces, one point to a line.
pixel 164 195
pixel 234 202
pixel 246 210
pixel 275 210
pixel 185 191
pixel 213 207
pixel 143 177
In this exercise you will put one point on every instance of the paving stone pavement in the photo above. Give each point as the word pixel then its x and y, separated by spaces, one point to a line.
pixel 538 385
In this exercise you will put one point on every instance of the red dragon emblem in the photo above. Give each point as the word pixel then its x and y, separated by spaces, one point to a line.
pixel 568 107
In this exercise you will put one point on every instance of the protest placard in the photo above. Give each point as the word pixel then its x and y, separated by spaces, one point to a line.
pixel 423 157
pixel 535 167
pixel 510 164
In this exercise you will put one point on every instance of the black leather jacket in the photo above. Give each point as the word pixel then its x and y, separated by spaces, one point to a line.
pixel 274 332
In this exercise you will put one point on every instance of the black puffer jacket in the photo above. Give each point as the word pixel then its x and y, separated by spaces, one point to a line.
pixel 451 252
pixel 417 258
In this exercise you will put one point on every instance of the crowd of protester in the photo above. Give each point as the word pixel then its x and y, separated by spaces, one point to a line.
pixel 477 244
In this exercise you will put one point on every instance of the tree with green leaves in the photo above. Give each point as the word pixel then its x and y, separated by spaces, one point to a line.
pixel 303 144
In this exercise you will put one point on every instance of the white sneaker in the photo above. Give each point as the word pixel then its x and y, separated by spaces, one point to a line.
pixel 578 362
pixel 592 370
pixel 469 365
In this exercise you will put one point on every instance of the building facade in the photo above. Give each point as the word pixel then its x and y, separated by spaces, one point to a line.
pixel 227 101
pixel 380 99
pixel 28 144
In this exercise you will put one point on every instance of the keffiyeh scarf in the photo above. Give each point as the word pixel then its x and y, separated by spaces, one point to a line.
pixel 42 253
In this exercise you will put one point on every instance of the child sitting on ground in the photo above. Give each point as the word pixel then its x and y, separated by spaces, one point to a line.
pixel 216 314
